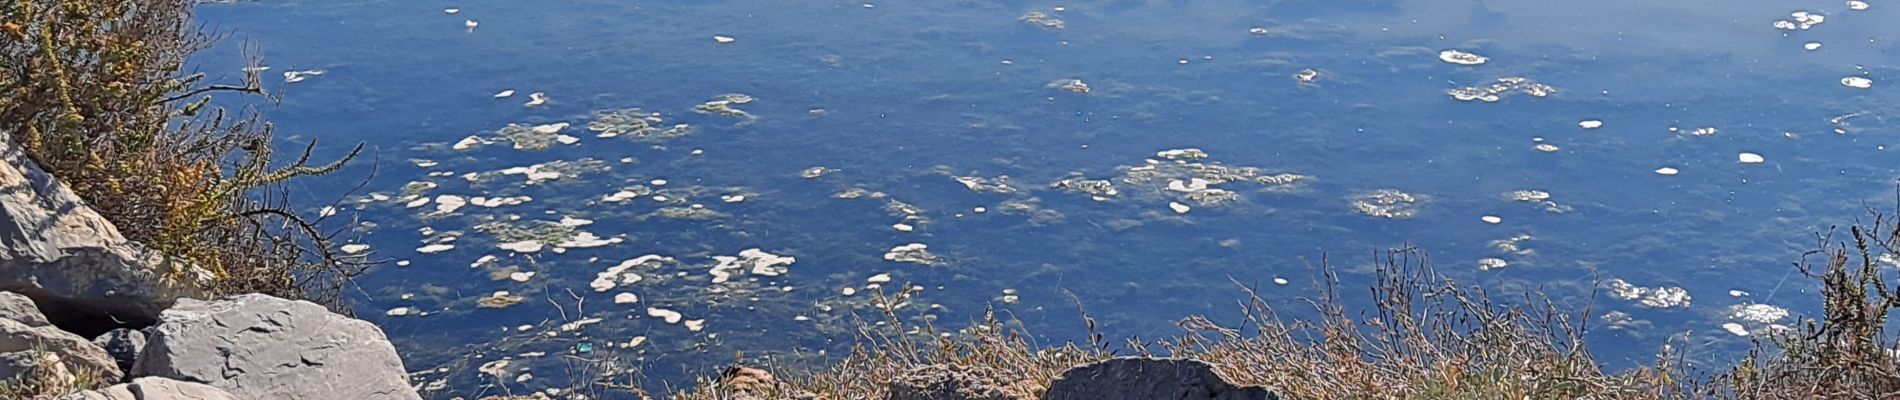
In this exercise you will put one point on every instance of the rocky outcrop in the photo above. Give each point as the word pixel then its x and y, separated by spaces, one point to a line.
pixel 940 382
pixel 1149 378
pixel 83 274
pixel 260 347
pixel 154 389
pixel 74 352
pixel 21 309
pixel 123 345
pixel 74 275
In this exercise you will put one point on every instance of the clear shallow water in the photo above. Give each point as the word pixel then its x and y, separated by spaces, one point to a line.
pixel 901 97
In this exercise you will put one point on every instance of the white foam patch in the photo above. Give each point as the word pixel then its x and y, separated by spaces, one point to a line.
pixel 670 316
pixel 622 274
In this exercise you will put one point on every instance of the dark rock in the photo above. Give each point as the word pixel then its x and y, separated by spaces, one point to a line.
pixel 261 347
pixel 74 352
pixel 746 379
pixel 154 389
pixel 939 382
pixel 123 345
pixel 1149 378
pixel 19 308
pixel 84 275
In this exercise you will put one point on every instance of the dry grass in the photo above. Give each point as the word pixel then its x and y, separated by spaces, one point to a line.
pixel 1001 356
pixel 1426 337
pixel 49 380
pixel 1845 353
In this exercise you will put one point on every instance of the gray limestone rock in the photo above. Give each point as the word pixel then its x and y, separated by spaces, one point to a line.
pixel 74 352
pixel 261 347
pixel 83 274
pixel 19 308
pixel 154 389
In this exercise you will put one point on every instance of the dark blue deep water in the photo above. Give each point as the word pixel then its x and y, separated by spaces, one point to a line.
pixel 902 98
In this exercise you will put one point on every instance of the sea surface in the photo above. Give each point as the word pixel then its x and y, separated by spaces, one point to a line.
pixel 684 184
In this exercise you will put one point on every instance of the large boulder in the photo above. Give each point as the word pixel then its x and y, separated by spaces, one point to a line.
pixel 19 308
pixel 82 272
pixel 154 389
pixel 74 352
pixel 261 347
pixel 1149 378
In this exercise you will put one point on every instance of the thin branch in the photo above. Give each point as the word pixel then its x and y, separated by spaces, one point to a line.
pixel 213 88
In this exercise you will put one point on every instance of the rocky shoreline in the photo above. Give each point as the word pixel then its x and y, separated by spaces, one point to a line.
pixel 66 275
pixel 241 347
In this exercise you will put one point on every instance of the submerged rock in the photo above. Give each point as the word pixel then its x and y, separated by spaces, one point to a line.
pixel 1149 378
pixel 261 347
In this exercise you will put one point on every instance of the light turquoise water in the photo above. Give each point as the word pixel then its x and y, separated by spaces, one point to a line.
pixel 901 98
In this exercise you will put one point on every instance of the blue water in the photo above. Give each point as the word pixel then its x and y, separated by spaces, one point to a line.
pixel 898 97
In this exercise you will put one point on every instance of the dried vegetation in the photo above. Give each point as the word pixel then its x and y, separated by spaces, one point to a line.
pixel 96 92
pixel 1427 337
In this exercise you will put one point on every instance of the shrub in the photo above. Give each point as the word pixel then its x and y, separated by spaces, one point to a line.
pixel 1846 353
pixel 96 92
